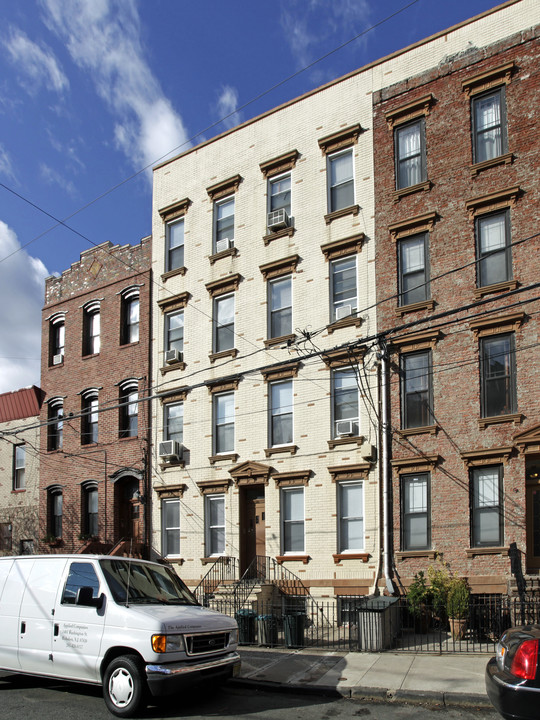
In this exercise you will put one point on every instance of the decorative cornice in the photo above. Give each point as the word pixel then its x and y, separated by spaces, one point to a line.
pixel 287 479
pixel 358 471
pixel 166 491
pixel 416 463
pixel 413 225
pixel 341 139
pixel 410 111
pixel 351 210
pixel 476 458
pixel 173 396
pixel 343 356
pixel 416 341
pixel 280 267
pixel 497 324
pixel 282 371
pixel 223 384
pixel 340 248
pixel 493 201
pixel 224 188
pixel 501 75
pixel 250 473
pixel 176 302
pixel 279 164
pixel 224 285
pixel 175 210
pixel 207 487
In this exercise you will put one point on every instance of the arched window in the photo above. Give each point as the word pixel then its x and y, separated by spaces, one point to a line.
pixel 91 328
pixel 55 427
pixel 89 417
pixel 129 322
pixel 129 409
pixel 89 525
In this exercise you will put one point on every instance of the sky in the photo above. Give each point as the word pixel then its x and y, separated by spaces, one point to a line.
pixel 93 93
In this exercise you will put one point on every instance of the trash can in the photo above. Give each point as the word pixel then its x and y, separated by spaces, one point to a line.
pixel 246 626
pixel 294 625
pixel 267 630
pixel 378 623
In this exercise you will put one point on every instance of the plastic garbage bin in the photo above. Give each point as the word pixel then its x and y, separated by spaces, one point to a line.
pixel 246 626
pixel 267 630
pixel 294 625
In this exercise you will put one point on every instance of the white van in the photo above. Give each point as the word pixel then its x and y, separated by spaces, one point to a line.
pixel 130 625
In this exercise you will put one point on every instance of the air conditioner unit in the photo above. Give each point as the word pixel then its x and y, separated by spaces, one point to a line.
pixel 169 449
pixel 344 427
pixel 223 244
pixel 173 356
pixel 58 359
pixel 278 219
pixel 368 451
pixel 343 311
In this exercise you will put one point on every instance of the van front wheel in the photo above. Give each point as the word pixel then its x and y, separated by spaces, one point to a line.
pixel 124 686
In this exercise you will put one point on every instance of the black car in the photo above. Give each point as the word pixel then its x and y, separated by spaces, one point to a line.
pixel 513 677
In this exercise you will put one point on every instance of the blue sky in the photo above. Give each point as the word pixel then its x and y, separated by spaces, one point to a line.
pixel 94 92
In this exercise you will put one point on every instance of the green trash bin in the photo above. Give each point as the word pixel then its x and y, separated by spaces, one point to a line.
pixel 246 626
pixel 294 625
pixel 267 630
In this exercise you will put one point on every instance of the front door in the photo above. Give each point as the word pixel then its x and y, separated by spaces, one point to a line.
pixel 252 526
pixel 129 510
pixel 533 526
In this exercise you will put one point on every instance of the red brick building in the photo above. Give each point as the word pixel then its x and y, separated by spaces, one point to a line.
pixel 96 372
pixel 457 208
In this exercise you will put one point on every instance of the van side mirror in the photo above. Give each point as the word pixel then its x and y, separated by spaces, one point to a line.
pixel 85 597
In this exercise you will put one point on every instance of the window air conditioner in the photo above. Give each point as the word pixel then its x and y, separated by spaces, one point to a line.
pixel 173 356
pixel 278 219
pixel 58 359
pixel 169 449
pixel 343 311
pixel 344 427
pixel 223 244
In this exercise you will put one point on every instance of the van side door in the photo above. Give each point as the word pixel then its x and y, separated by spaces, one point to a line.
pixel 78 628
pixel 10 603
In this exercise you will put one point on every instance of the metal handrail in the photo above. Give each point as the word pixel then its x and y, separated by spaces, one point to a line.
pixel 223 569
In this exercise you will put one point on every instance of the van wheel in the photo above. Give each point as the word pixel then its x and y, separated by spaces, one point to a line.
pixel 124 686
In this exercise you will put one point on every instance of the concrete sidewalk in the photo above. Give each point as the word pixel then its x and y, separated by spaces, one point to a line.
pixel 450 680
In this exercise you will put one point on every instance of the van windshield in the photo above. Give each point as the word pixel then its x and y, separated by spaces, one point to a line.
pixel 135 582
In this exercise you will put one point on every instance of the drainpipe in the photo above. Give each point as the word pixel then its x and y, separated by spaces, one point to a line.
pixel 385 459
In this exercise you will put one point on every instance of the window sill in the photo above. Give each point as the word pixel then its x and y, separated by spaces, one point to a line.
pixel 292 449
pixel 419 187
pixel 129 344
pixel 293 558
pixel 424 430
pixel 229 252
pixel 504 551
pixel 285 232
pixel 282 340
pixel 507 159
pixel 213 459
pixel 56 365
pixel 90 356
pixel 406 554
pixel 225 354
pixel 127 438
pixel 16 491
pixel 516 418
pixel 172 464
pixel 176 559
pixel 344 322
pixel 214 558
pixel 173 366
pixel 173 273
pixel 352 210
pixel 496 287
pixel 413 307
pixel 348 440
pixel 338 557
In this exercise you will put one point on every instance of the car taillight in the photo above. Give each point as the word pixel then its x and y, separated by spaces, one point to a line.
pixel 525 659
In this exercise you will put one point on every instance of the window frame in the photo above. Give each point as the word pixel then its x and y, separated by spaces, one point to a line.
pixel 275 180
pixel 497 508
pixel 177 343
pixel 486 397
pixel 55 515
pixel 282 414
pixel 171 252
pixel 502 125
pixel 170 420
pixel 218 426
pixel 219 233
pixel 406 544
pixel 212 543
pixel 424 286
pixel 336 373
pixel 407 413
pixel 130 329
pixel 505 251
pixel 331 186
pixel 57 339
pixel 335 304
pixel 89 418
pixel 90 515
pixel 342 519
pixel 167 530
pixel 422 154
pixel 92 329
pixel 281 315
pixel 19 471
pixel 129 410
pixel 287 547
pixel 222 331
pixel 55 425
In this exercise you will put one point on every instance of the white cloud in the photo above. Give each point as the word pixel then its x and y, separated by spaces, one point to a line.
pixel 226 107
pixel 53 177
pixel 22 291
pixel 36 62
pixel 103 38
pixel 6 169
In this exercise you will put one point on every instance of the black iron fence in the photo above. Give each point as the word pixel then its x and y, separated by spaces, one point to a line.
pixel 363 624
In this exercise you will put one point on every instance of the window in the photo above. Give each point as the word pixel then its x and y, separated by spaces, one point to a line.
pixel 174 243
pixel 279 194
pixel 416 390
pixel 345 405
pixel 174 331
pixel 57 338
pixel 487 517
pixel 341 180
pixel 91 329
pixel 173 421
pixel 55 425
pixel 215 524
pixel 223 323
pixel 347 609
pixel 351 516
pixel 55 506
pixel 292 520
pixel 343 288
pixel 89 419
pixel 281 413
pixel 223 224
pixel 19 467
pixel 489 125
pixel 129 410
pixel 81 574
pixel 224 423
pixel 280 305
pixel 498 375
pixel 130 318
pixel 413 269
pixel 6 537
pixel 170 527
pixel 410 149
pixel 90 510
pixel 493 248
pixel 415 520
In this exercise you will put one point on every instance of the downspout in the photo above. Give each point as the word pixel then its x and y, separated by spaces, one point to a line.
pixel 385 459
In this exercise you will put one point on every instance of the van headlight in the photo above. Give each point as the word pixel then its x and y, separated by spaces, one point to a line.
pixel 233 637
pixel 168 643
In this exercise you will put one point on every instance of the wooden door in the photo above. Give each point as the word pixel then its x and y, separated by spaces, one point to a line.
pixel 533 527
pixel 129 511
pixel 252 526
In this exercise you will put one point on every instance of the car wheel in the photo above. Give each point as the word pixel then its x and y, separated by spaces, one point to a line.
pixel 124 686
